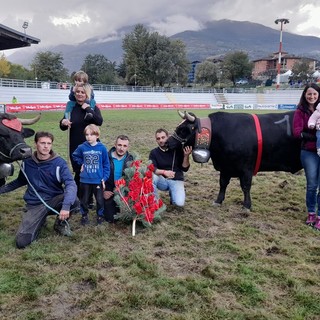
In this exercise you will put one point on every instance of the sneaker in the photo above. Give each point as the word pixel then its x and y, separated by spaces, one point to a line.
pixel 100 220
pixel 84 219
pixel 62 227
pixel 317 224
pixel 311 220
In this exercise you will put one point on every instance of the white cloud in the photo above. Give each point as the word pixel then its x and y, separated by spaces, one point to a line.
pixel 74 21
pixel 68 22
pixel 311 24
pixel 175 24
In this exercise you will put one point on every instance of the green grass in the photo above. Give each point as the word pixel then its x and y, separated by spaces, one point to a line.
pixel 204 263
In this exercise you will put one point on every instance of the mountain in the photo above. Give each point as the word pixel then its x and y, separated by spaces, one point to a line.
pixel 220 37
pixel 216 38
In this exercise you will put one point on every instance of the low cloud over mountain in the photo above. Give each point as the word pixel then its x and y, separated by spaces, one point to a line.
pixel 216 38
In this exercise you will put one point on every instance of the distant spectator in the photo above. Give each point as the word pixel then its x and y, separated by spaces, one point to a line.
pixel 14 100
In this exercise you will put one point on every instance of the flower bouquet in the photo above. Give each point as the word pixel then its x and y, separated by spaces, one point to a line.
pixel 134 194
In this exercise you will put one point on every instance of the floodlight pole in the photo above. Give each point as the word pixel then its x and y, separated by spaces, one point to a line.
pixel 25 26
pixel 282 22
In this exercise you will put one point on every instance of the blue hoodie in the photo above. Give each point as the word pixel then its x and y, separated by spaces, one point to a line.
pixel 95 161
pixel 49 177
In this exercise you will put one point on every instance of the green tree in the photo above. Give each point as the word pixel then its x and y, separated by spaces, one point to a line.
pixel 4 67
pixel 18 71
pixel 207 71
pixel 121 70
pixel 237 65
pixel 153 59
pixel 302 71
pixel 179 60
pixel 99 69
pixel 135 46
pixel 48 66
pixel 159 62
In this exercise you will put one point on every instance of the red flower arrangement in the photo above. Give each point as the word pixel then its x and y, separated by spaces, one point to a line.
pixel 134 194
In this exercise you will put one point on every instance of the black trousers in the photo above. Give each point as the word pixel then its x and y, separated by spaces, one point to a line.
pixel 77 170
pixel 35 217
pixel 110 209
pixel 86 191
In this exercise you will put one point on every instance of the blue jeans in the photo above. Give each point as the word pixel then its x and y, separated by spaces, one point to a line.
pixel 318 139
pixel 175 188
pixel 311 164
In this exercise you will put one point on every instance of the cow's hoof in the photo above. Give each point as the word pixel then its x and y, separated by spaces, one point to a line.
pixel 245 212
pixel 216 204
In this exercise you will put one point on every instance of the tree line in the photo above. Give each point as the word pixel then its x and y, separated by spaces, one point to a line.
pixel 149 59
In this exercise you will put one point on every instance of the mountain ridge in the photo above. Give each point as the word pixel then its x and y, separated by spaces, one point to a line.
pixel 217 37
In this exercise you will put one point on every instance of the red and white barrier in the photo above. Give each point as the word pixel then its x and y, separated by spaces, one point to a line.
pixel 21 107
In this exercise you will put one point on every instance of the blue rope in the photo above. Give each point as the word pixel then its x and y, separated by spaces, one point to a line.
pixel 67 226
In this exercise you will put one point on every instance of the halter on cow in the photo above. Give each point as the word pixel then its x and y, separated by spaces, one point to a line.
pixel 240 145
pixel 12 144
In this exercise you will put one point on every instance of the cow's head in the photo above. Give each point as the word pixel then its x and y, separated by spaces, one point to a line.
pixel 184 134
pixel 12 134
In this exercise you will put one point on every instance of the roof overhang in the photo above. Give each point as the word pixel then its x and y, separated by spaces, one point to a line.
pixel 12 39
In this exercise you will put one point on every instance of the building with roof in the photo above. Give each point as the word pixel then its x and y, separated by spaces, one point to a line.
pixel 265 68
pixel 12 39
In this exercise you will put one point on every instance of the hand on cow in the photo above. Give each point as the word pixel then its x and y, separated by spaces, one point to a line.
pixel 107 195
pixel 64 214
pixel 187 151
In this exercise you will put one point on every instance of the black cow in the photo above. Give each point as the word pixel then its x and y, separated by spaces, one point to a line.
pixel 241 144
pixel 12 144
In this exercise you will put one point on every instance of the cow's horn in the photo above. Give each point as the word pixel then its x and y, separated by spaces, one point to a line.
pixel 181 114
pixel 189 117
pixel 30 121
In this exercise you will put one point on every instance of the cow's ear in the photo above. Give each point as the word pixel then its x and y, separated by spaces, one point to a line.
pixel 27 132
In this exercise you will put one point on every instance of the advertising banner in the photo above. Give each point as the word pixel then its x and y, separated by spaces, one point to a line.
pixel 287 106
pixel 20 107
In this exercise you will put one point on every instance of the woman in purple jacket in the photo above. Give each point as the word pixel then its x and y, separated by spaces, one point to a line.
pixel 309 100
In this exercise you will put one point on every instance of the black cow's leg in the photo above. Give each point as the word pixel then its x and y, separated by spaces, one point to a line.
pixel 223 181
pixel 245 183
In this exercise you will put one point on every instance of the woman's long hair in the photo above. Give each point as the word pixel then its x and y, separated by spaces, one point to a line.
pixel 303 103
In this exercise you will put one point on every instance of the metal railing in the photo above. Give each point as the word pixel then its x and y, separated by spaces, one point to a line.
pixel 103 87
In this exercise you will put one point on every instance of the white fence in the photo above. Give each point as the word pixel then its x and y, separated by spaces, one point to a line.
pixel 37 95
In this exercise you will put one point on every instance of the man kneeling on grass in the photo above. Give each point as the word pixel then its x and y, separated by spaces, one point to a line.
pixel 50 181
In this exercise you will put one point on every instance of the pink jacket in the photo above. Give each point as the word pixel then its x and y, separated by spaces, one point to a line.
pixel 314 118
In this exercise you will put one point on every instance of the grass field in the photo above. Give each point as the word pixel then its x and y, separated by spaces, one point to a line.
pixel 204 263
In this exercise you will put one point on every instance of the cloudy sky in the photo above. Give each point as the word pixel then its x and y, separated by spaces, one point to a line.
pixel 69 21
